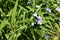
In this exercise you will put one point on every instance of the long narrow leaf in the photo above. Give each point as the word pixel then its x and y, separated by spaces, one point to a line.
pixel 13 14
pixel 4 22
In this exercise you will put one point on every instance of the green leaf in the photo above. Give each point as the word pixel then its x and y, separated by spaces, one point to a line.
pixel 57 26
pixel 3 23
pixel 13 13
pixel 30 8
pixel 39 8
pixel 40 32
pixel 23 8
pixel 33 3
pixel 32 32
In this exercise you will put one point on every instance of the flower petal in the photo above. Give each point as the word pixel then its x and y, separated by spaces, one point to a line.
pixel 48 9
pixel 39 22
pixel 39 18
pixel 35 14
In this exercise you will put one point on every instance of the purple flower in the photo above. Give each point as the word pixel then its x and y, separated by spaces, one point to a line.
pixel 57 9
pixel 48 9
pixel 28 2
pixel 35 14
pixel 39 20
pixel 46 36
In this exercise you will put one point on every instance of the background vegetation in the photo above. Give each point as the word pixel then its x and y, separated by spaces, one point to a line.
pixel 17 21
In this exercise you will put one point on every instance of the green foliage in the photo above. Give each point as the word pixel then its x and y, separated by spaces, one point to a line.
pixel 16 18
pixel 4 22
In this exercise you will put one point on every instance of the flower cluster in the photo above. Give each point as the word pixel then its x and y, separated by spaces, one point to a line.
pixel 49 10
pixel 39 19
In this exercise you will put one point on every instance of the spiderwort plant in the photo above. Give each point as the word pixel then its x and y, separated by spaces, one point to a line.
pixel 17 19
pixel 48 9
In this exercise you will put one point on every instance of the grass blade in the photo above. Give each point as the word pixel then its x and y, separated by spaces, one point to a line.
pixel 13 14
pixel 4 22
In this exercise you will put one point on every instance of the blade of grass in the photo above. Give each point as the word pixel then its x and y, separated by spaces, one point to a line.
pixel 33 4
pixel 32 32
pixel 30 8
pixel 57 27
pixel 12 34
pixel 28 38
pixel 4 22
pixel 39 32
pixel 23 8
pixel 9 13
pixel 39 8
pixel 19 11
pixel 13 13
